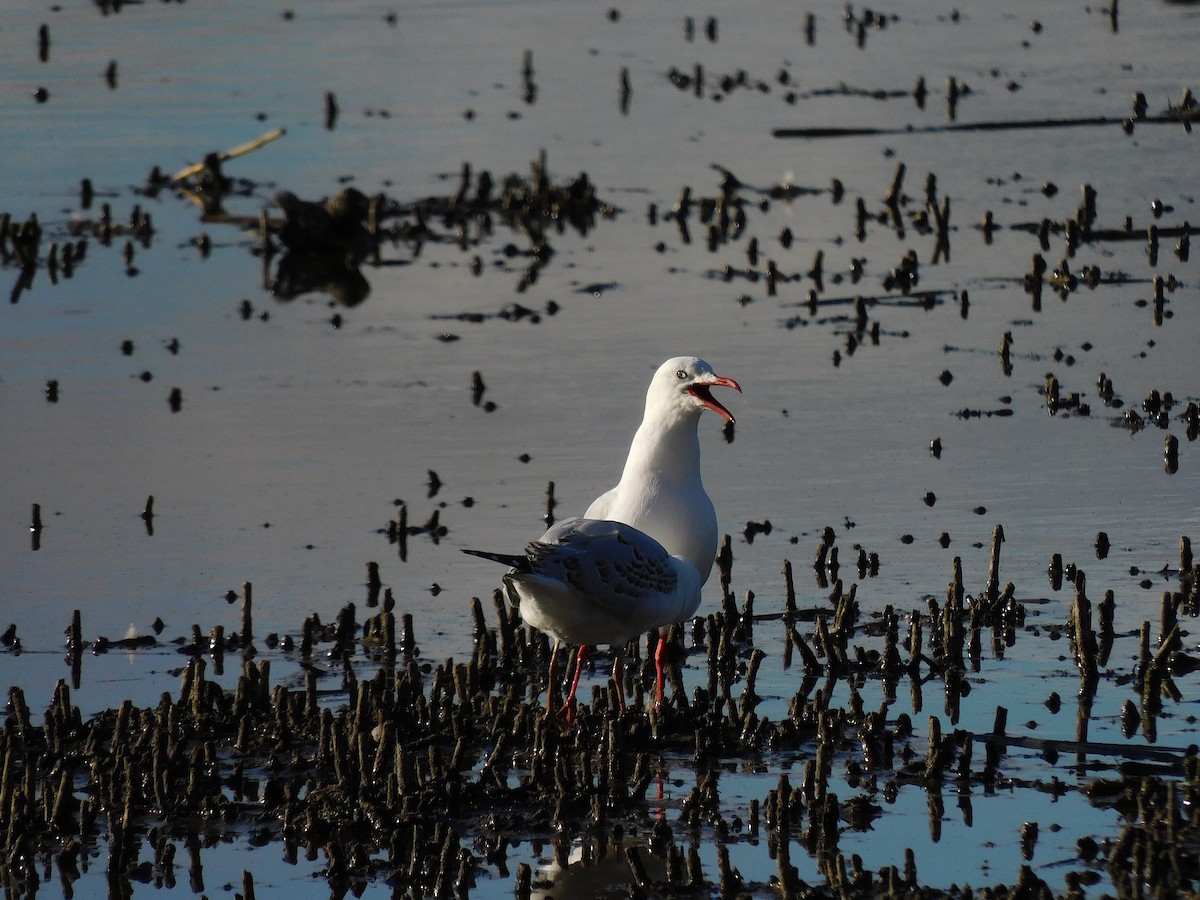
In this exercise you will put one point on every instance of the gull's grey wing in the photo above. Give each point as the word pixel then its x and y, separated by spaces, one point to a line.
pixel 614 565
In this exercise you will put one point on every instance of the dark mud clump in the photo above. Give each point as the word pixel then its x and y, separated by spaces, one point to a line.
pixel 424 775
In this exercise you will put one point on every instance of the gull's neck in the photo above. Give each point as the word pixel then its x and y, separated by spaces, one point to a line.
pixel 667 446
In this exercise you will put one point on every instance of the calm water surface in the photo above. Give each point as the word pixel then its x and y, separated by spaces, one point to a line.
pixel 298 435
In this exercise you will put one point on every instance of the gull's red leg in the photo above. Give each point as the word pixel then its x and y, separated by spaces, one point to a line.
pixel 658 669
pixel 568 708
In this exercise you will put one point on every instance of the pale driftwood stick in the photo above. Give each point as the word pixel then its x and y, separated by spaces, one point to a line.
pixel 240 150
pixel 191 196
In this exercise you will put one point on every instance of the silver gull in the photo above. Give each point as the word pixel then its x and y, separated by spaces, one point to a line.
pixel 637 559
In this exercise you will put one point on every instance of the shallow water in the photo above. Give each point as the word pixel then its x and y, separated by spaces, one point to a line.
pixel 297 437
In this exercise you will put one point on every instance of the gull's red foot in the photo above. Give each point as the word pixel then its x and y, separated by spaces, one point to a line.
pixel 567 712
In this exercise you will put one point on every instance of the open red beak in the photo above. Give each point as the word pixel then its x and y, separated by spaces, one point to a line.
pixel 701 392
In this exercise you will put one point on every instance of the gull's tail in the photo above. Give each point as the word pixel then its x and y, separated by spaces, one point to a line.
pixel 513 560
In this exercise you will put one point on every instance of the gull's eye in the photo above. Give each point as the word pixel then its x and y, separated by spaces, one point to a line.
pixel 681 374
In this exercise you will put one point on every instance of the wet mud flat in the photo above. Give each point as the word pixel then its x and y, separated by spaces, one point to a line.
pixel 383 768
pixel 960 299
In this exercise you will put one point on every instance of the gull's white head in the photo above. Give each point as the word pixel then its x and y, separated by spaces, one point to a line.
pixel 684 385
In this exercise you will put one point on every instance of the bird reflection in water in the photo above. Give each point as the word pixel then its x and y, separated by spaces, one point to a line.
pixel 599 867
pixel 308 273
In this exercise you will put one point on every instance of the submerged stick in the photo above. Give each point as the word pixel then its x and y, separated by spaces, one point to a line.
pixel 1012 125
